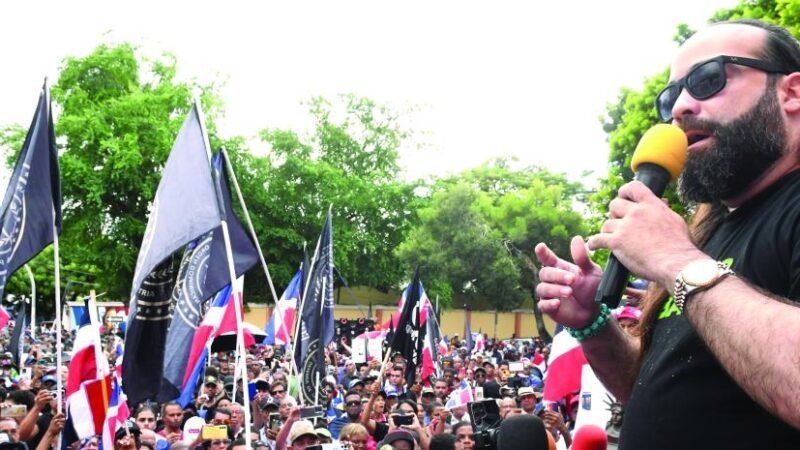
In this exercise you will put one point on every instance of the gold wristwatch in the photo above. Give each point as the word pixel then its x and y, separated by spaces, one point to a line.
pixel 698 276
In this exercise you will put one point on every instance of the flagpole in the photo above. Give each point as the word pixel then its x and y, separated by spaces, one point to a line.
pixel 234 287
pixel 33 299
pixel 252 230
pixel 298 319
pixel 57 274
pixel 249 223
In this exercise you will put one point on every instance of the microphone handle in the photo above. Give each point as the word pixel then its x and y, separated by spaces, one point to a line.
pixel 615 276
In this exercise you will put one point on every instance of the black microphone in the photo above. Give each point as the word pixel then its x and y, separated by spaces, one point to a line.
pixel 659 158
pixel 523 432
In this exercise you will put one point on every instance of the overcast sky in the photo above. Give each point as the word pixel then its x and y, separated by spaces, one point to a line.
pixel 525 79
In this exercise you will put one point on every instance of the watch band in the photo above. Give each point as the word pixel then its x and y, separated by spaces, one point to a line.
pixel 682 291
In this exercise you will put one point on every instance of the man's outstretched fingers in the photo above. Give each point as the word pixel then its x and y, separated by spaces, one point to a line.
pixel 580 254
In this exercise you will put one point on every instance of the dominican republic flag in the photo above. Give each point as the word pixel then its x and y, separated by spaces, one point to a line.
pixel 117 414
pixel 220 317
pixel 281 323
pixel 443 346
pixel 565 366
pixel 89 385
pixel 460 396
pixel 368 346
pixel 430 343
pixel 480 344
pixel 394 318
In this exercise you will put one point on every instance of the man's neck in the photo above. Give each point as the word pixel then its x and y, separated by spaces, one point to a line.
pixel 783 166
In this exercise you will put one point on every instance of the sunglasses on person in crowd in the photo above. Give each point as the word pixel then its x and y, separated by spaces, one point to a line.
pixel 355 403
pixel 706 80
pixel 277 392
pixel 217 442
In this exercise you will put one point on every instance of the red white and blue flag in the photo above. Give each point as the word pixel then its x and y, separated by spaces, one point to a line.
pixel 566 363
pixel 460 396
pixel 479 342
pixel 281 323
pixel 220 318
pixel 443 346
pixel 116 415
pixel 89 384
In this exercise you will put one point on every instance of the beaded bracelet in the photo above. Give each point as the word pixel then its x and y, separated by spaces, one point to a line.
pixel 593 328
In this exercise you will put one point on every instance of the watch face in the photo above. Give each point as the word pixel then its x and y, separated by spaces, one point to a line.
pixel 701 273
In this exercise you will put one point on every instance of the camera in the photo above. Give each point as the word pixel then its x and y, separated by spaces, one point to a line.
pixel 402 419
pixel 517 382
pixel 310 412
pixel 485 420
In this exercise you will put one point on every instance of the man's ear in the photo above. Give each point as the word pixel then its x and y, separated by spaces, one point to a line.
pixel 789 93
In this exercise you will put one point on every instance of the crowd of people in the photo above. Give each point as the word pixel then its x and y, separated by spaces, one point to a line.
pixel 366 406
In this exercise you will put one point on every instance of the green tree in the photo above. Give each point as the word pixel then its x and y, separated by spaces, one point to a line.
pixel 350 162
pixel 478 232
pixel 118 117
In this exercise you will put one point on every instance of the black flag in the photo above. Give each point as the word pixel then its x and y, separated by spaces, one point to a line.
pixel 184 209
pixel 203 272
pixel 316 317
pixel 32 202
pixel 406 339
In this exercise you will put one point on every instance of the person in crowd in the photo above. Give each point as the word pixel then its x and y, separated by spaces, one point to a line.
pixel 628 317
pixel 396 383
pixel 172 414
pixel 378 401
pixel 352 414
pixel 145 418
pixel 441 390
pixel 127 437
pixel 465 436
pixel 507 403
pixel 300 434
pixel 236 419
pixel 285 407
pixel 356 384
pixel 354 436
pixel 443 441
pixel 212 393
pixel 528 399
pixel 348 373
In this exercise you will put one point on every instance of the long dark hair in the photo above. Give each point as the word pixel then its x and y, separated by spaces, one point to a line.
pixel 706 219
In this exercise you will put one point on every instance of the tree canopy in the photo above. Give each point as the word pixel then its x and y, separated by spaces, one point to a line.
pixel 477 224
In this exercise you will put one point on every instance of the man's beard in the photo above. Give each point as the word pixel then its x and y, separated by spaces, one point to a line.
pixel 742 150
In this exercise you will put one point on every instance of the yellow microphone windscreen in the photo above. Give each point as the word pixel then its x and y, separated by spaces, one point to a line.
pixel 664 145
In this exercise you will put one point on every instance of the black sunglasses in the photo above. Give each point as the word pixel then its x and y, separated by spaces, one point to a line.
pixel 706 80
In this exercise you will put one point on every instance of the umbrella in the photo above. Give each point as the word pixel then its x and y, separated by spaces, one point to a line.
pixel 226 342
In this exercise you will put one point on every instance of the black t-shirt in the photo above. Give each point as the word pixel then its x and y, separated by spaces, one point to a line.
pixel 381 430
pixel 683 398
pixel 42 422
